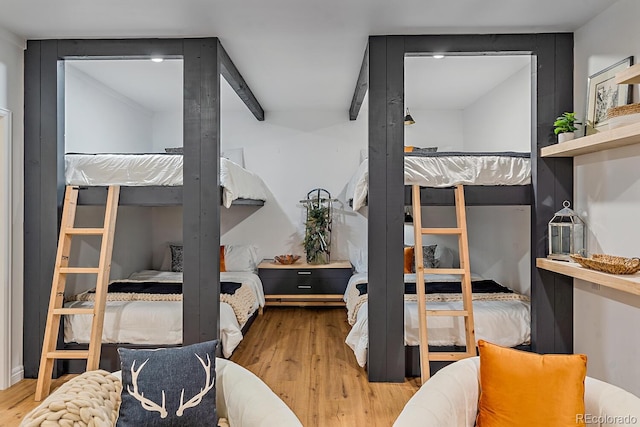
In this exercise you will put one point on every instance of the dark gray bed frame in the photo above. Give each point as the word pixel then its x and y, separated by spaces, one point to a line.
pixel 204 61
pixel 382 73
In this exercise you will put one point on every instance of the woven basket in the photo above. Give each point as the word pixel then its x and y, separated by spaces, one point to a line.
pixel 623 110
pixel 609 263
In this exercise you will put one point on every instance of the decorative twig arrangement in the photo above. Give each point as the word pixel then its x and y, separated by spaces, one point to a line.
pixel 317 236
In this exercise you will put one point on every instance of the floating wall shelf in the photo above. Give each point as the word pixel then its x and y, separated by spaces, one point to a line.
pixel 629 76
pixel 629 283
pixel 618 137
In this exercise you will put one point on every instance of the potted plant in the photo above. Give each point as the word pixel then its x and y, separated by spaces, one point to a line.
pixel 565 126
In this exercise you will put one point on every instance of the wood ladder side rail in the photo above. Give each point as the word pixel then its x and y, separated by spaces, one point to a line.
pixel 465 272
pixel 56 300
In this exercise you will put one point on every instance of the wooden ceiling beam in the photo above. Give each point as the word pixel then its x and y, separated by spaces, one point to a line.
pixel 362 86
pixel 236 81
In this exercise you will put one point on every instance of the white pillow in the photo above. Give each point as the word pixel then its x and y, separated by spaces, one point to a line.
pixel 358 257
pixel 241 258
pixel 445 256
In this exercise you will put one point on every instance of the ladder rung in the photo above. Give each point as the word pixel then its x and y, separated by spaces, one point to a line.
pixel 62 311
pixel 68 354
pixel 460 313
pixel 441 230
pixel 445 357
pixel 79 270
pixel 85 231
pixel 460 271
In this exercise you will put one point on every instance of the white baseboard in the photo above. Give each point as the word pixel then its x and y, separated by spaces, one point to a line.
pixel 17 374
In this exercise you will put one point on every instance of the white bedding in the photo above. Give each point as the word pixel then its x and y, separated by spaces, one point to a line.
pixel 506 323
pixel 156 169
pixel 157 322
pixel 447 171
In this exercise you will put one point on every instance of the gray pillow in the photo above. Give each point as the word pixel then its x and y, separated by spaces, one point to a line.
pixel 176 258
pixel 174 150
pixel 169 386
pixel 429 257
pixel 419 150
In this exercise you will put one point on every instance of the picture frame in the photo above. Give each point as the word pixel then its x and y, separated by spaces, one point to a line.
pixel 603 93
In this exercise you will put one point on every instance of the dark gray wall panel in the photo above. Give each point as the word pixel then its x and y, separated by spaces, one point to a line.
pixel 201 218
pixel 386 208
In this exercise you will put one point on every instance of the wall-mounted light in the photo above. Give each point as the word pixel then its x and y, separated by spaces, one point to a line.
pixel 438 56
pixel 408 120
pixel 157 59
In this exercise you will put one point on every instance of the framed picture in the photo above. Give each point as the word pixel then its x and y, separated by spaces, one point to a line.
pixel 603 93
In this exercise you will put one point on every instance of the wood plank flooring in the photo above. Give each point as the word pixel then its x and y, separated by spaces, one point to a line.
pixel 17 401
pixel 300 353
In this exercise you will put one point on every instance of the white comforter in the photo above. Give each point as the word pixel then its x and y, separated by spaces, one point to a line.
pixel 157 322
pixel 506 323
pixel 156 169
pixel 447 171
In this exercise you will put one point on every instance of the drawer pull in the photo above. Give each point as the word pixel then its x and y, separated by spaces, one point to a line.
pixel 304 272
pixel 304 286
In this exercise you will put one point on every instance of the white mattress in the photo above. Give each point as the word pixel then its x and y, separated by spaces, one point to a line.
pixel 156 169
pixel 157 322
pixel 446 171
pixel 506 323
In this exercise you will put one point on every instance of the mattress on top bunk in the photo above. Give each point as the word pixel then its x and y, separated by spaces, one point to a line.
pixel 506 322
pixel 156 169
pixel 157 322
pixel 447 169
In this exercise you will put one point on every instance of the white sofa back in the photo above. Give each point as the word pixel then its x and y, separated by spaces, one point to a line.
pixel 450 399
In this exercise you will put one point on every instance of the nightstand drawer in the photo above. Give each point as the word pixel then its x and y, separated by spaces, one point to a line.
pixel 304 281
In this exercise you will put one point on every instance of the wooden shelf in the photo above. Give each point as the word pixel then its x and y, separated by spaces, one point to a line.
pixel 618 137
pixel 629 283
pixel 629 76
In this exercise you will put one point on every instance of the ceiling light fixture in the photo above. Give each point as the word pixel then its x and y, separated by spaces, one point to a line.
pixel 408 120
pixel 438 56
pixel 157 59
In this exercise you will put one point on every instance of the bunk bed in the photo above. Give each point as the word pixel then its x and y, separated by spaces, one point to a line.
pixel 204 62
pixel 145 310
pixel 381 77
pixel 238 185
pixel 501 315
pixel 493 178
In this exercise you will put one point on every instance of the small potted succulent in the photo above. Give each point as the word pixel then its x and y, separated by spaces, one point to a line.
pixel 565 126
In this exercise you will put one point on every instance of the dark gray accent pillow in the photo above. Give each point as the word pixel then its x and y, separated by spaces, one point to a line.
pixel 176 258
pixel 419 150
pixel 174 150
pixel 169 386
pixel 429 257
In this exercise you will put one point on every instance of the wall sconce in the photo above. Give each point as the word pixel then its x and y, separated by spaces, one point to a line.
pixel 408 120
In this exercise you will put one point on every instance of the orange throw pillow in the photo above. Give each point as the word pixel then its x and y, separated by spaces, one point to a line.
pixel 518 388
pixel 222 266
pixel 408 148
pixel 408 259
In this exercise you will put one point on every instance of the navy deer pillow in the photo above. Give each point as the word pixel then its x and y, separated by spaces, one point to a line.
pixel 169 386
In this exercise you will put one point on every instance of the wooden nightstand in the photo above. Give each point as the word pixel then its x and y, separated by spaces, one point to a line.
pixel 303 284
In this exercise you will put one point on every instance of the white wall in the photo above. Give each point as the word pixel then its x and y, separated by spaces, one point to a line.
pixel 166 130
pixel 293 152
pixel 501 119
pixel 607 194
pixel 11 98
pixel 436 128
pixel 101 120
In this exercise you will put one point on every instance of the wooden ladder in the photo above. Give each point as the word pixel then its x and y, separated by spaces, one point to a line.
pixel 62 269
pixel 464 271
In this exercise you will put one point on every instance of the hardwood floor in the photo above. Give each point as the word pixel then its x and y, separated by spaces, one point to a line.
pixel 17 401
pixel 300 353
